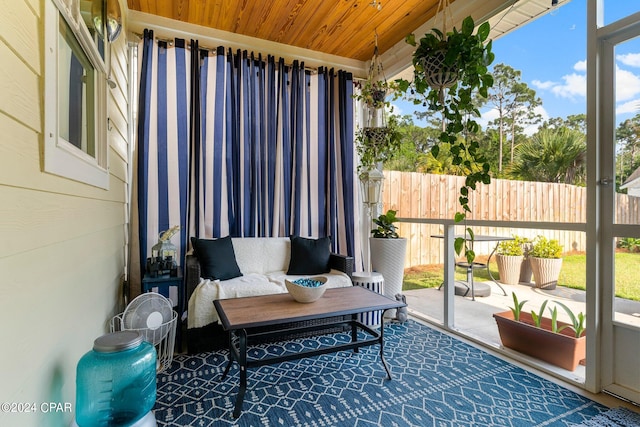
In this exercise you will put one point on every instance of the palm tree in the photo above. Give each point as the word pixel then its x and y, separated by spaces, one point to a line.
pixel 552 155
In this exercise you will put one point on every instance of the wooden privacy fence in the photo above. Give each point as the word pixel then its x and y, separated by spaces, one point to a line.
pixel 427 196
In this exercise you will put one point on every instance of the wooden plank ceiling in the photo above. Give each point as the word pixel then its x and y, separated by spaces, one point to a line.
pixel 345 28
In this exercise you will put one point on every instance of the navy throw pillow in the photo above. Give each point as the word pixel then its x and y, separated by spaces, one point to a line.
pixel 309 256
pixel 217 258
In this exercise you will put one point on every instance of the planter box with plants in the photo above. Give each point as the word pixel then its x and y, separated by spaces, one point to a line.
pixel 561 344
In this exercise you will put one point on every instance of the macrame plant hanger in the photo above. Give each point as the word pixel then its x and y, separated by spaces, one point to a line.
pixel 437 74
pixel 378 82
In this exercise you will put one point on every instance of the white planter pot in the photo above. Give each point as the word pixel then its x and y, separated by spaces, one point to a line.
pixel 509 268
pixel 546 271
pixel 525 271
pixel 387 258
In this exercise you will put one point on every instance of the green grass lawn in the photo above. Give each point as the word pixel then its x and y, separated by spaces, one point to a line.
pixel 572 275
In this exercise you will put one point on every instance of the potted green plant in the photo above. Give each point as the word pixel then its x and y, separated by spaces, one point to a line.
pixel 373 93
pixel 388 251
pixel 546 338
pixel 375 145
pixel 509 256
pixel 450 67
pixel 379 139
pixel 546 262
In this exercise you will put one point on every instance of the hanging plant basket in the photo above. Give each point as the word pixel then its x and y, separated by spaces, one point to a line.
pixel 450 68
pixel 377 144
pixel 378 97
pixel 437 74
pixel 373 90
pixel 373 93
pixel 377 135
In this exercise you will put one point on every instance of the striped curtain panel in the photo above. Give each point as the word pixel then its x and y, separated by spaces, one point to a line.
pixel 271 149
pixel 163 142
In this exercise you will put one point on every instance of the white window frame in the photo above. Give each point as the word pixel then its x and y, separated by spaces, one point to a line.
pixel 60 156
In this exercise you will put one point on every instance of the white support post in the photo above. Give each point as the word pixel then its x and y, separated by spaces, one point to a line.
pixel 449 276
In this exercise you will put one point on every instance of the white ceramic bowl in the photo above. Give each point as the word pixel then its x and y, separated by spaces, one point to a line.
pixel 307 294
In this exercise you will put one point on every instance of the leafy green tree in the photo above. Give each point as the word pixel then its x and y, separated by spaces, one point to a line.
pixel 628 141
pixel 489 143
pixel 552 155
pixel 575 121
pixel 514 102
pixel 415 142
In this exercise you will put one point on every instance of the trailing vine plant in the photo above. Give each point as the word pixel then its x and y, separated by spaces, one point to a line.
pixel 450 67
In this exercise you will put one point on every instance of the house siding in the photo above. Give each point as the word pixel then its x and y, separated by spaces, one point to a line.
pixel 62 243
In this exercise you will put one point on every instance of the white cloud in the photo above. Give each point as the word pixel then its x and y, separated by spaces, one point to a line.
pixel 575 85
pixel 580 66
pixel 486 117
pixel 543 85
pixel 629 107
pixel 491 115
pixel 627 85
pixel 630 59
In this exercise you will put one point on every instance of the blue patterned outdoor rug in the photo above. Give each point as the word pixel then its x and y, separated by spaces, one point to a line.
pixel 618 417
pixel 437 381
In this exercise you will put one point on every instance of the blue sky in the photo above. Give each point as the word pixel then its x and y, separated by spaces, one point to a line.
pixel 551 54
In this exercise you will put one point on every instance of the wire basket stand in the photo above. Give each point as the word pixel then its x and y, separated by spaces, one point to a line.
pixel 163 338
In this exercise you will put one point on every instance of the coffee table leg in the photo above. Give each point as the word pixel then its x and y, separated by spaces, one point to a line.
pixel 226 370
pixel 384 362
pixel 354 331
pixel 242 361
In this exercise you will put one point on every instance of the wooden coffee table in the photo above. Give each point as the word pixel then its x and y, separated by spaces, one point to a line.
pixel 245 318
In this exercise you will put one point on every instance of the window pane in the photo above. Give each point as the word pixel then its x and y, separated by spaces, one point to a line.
pixel 627 149
pixel 76 89
pixel 627 286
pixel 617 9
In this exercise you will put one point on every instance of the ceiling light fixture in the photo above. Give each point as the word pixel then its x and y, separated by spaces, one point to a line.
pixel 554 3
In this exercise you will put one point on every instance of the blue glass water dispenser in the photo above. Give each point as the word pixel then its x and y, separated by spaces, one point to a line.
pixel 116 382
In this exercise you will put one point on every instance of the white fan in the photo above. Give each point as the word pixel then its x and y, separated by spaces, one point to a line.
pixel 151 314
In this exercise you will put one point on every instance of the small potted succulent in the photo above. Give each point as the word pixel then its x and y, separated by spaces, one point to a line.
pixel 546 262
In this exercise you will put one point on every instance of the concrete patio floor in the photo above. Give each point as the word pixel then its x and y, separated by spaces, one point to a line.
pixel 473 319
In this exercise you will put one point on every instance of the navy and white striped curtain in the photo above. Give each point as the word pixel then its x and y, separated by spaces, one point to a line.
pixel 163 142
pixel 271 148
